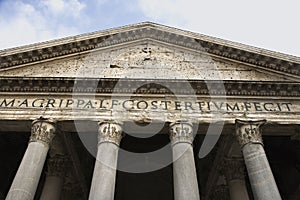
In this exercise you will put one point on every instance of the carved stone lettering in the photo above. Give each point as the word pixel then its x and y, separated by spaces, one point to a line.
pixel 141 104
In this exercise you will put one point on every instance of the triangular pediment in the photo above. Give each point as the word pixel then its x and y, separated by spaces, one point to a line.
pixel 148 51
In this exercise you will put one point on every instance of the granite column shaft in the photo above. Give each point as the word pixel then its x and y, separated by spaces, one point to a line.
pixel 184 170
pixel 28 175
pixel 261 177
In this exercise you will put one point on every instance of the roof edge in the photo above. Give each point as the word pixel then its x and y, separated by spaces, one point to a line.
pixel 76 38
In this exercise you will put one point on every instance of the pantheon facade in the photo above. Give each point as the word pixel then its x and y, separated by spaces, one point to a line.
pixel 148 112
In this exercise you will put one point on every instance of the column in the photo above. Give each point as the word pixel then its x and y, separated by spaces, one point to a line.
pixel 235 177
pixel 260 175
pixel 54 178
pixel 104 177
pixel 56 168
pixel 28 175
pixel 184 171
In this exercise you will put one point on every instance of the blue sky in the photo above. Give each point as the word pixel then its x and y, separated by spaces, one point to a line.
pixel 270 24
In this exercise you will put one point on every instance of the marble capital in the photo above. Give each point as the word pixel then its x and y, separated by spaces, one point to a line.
pixel 42 130
pixel 181 132
pixel 249 132
pixel 110 131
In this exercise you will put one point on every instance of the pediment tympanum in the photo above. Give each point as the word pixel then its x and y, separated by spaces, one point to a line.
pixel 147 59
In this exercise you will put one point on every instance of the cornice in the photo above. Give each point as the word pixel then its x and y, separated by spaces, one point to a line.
pixel 149 87
pixel 281 63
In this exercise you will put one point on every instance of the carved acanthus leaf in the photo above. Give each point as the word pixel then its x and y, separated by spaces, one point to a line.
pixel 181 132
pixel 249 131
pixel 42 130
pixel 110 131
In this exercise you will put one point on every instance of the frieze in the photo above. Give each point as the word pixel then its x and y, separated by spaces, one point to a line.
pixel 150 104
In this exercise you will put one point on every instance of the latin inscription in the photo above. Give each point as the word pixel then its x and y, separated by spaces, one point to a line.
pixel 130 104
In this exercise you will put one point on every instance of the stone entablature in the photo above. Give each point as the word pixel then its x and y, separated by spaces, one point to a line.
pixel 137 107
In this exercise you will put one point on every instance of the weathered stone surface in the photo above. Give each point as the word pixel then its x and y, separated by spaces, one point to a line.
pixel 261 178
pixel 145 60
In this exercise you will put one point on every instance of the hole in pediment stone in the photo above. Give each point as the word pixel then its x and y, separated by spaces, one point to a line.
pixel 114 66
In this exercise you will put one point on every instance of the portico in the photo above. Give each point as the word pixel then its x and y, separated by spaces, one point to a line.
pixel 179 184
pixel 72 111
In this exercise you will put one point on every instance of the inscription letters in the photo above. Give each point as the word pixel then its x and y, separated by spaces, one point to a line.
pixel 131 104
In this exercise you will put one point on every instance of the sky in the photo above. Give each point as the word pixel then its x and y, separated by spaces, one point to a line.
pixel 268 24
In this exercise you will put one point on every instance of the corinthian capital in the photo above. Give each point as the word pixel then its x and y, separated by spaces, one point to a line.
pixel 42 130
pixel 249 131
pixel 110 131
pixel 181 132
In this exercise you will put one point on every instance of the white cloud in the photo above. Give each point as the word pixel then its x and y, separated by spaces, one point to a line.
pixel 27 22
pixel 64 7
pixel 25 25
pixel 269 24
pixel 56 6
pixel 101 2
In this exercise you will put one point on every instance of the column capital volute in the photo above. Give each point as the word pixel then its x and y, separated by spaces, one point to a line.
pixel 110 131
pixel 43 130
pixel 181 131
pixel 249 131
